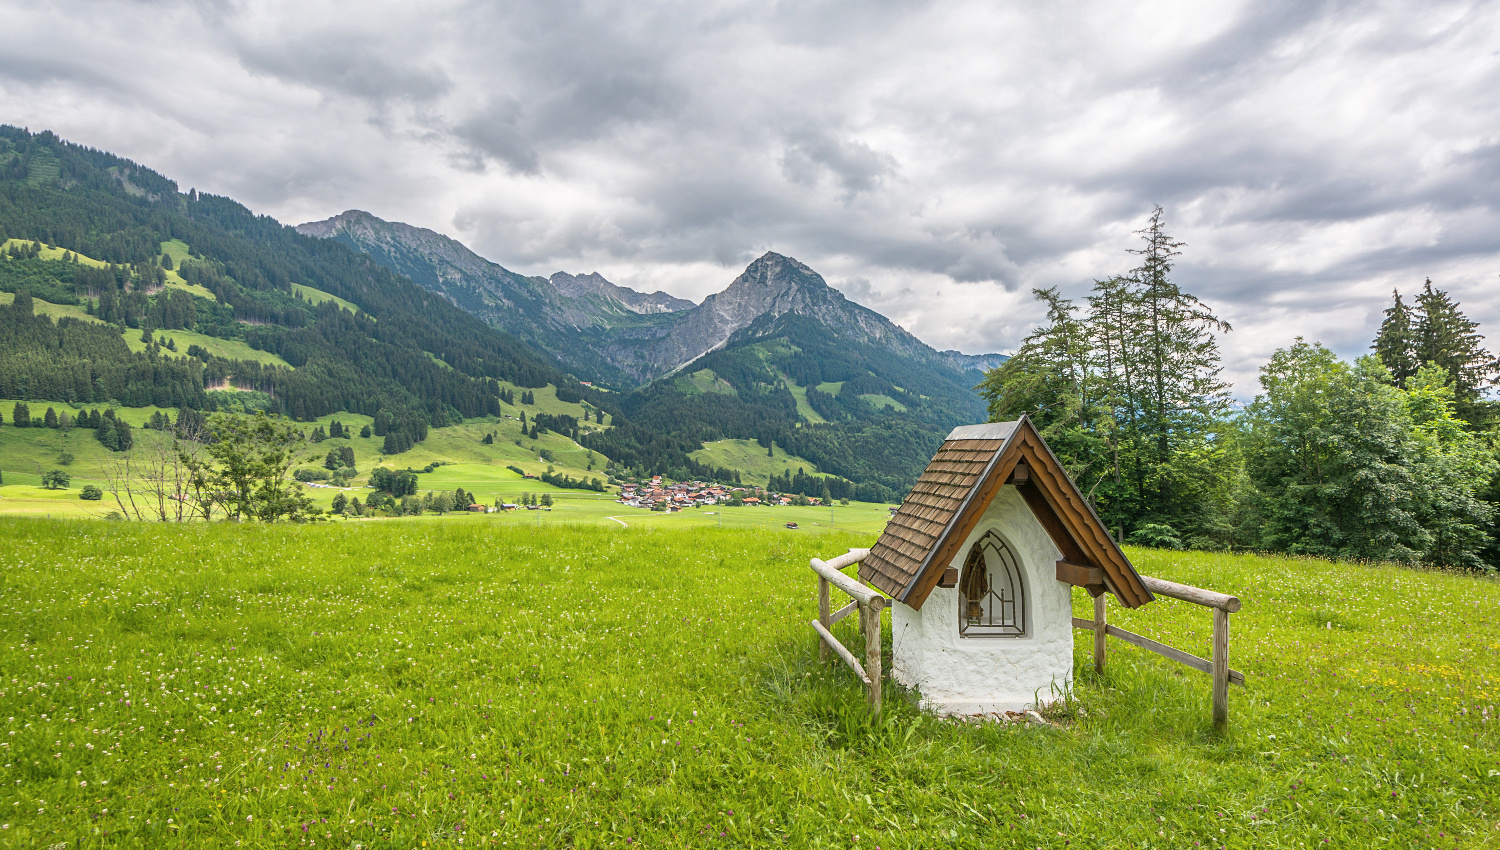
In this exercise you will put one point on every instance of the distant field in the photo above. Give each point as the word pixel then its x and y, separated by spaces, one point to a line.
pixel 879 401
pixel 176 249
pixel 804 409
pixel 318 296
pixel 386 684
pixel 52 311
pixel 749 457
pixel 234 349
pixel 52 253
pixel 704 381
pixel 25 453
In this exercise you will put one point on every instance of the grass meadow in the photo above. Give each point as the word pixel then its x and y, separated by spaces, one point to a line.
pixel 404 684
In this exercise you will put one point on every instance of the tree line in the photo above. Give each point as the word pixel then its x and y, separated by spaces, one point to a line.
pixel 1390 457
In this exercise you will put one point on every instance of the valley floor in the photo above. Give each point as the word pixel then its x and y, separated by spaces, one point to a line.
pixel 412 683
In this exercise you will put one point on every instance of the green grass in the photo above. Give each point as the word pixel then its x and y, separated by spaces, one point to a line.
pixel 52 252
pixel 313 295
pixel 35 450
pixel 234 349
pixel 176 249
pixel 52 311
pixel 388 684
pixel 704 381
pixel 804 409
pixel 750 459
pixel 879 402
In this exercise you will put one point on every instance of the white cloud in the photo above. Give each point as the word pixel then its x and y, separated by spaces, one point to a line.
pixel 935 160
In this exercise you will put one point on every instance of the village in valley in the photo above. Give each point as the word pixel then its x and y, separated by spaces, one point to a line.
pixel 656 495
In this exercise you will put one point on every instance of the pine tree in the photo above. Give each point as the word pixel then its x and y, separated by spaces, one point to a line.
pixel 1395 343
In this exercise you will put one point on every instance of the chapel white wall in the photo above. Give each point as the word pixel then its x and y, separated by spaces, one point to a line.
pixel 983 675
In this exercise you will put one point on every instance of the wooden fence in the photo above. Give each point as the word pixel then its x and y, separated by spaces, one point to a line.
pixel 1222 604
pixel 868 603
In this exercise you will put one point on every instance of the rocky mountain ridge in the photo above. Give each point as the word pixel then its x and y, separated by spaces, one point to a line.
pixel 617 335
pixel 975 362
pixel 585 322
pixel 773 286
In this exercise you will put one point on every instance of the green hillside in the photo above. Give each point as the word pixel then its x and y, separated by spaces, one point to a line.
pixel 384 684
pixel 751 459
pixel 318 296
pixel 110 254
pixel 26 453
pixel 845 406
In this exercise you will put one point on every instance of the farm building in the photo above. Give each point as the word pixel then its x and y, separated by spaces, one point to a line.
pixel 979 564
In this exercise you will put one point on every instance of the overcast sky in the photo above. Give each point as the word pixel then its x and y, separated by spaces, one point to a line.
pixel 934 161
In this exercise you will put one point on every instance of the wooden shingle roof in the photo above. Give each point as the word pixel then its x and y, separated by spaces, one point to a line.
pixel 955 489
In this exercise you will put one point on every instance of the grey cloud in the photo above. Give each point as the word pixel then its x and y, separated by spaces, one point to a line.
pixel 937 159
pixel 334 65
pixel 853 164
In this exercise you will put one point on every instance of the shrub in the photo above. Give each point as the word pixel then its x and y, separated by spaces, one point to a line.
pixel 90 493
pixel 1156 535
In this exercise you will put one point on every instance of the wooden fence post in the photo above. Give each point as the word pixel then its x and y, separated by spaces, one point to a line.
pixel 1099 635
pixel 823 616
pixel 869 617
pixel 1221 666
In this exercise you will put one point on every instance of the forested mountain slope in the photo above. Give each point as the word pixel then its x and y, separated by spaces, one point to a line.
pixel 804 371
pixel 96 233
pixel 778 356
pixel 586 322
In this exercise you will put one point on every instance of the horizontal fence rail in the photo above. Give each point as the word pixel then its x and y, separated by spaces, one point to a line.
pixel 868 603
pixel 1202 665
pixel 1195 595
pixel 1222 605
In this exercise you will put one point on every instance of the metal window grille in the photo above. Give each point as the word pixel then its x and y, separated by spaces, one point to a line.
pixel 991 599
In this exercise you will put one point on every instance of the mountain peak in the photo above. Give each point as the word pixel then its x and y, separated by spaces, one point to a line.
pixel 331 226
pixel 774 285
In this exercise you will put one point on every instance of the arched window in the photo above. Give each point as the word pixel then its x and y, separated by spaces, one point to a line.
pixel 991 598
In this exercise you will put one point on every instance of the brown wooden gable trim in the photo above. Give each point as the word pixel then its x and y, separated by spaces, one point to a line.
pixel 1053 524
pixel 1067 517
pixel 1082 524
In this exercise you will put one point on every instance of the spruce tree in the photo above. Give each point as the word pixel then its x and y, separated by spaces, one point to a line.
pixel 1450 340
pixel 1395 343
